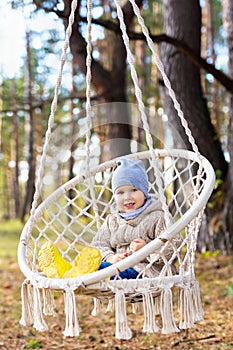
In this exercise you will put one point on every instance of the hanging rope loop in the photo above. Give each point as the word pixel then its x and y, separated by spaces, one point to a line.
pixel 38 183
pixel 70 222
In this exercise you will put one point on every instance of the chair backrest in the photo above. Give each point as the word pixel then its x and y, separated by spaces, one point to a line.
pixel 71 216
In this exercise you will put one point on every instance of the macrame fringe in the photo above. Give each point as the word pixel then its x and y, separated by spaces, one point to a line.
pixel 27 304
pixel 134 308
pixel 98 307
pixel 72 328
pixel 49 306
pixel 196 297
pixel 166 310
pixel 157 311
pixel 122 329
pixel 111 306
pixel 39 322
pixel 190 307
pixel 150 325
pixel 137 308
pixel 186 308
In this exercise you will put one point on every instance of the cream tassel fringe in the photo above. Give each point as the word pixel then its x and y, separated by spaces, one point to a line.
pixel 157 299
pixel 49 306
pixel 150 325
pixel 186 308
pixel 137 308
pixel 190 307
pixel 97 307
pixel 72 326
pixel 196 297
pixel 39 322
pixel 27 304
pixel 122 329
pixel 166 309
pixel 111 306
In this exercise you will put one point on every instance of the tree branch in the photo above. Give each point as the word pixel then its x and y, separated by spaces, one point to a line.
pixel 179 44
pixel 221 77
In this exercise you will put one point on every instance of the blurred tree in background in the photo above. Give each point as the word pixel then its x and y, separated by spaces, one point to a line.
pixel 193 37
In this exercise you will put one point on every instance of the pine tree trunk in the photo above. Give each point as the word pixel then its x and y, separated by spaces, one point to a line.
pixel 228 209
pixel 15 156
pixel 30 188
pixel 182 20
pixel 185 79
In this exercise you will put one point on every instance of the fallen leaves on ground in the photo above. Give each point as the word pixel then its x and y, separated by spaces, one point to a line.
pixel 214 333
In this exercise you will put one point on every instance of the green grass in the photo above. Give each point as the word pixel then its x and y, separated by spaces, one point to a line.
pixel 9 237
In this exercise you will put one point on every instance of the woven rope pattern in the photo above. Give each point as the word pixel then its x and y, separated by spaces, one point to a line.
pixel 38 183
pixel 70 221
pixel 73 213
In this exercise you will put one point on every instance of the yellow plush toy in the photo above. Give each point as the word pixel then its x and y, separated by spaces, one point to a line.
pixel 55 266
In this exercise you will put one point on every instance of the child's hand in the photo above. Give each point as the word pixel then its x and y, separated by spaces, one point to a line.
pixel 116 257
pixel 137 244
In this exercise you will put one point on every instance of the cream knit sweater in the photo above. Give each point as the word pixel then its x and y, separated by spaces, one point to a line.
pixel 116 234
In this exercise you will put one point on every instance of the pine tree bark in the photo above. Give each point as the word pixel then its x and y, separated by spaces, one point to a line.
pixel 15 156
pixel 182 20
pixel 227 6
pixel 30 187
pixel 185 79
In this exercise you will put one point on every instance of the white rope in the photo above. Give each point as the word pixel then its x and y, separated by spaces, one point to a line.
pixel 122 328
pixel 48 134
pixel 88 83
pixel 164 76
pixel 89 111
pixel 170 90
pixel 141 107
pixel 27 318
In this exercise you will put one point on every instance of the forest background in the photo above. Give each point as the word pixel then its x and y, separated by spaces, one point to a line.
pixel 197 53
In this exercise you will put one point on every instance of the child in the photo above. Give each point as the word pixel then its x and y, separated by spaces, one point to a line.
pixel 137 220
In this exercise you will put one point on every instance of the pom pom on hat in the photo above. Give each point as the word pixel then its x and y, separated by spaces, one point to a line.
pixel 130 172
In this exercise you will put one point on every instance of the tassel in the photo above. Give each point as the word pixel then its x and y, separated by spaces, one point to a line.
pixel 166 309
pixel 111 306
pixel 134 308
pixel 196 297
pixel 137 308
pixel 49 306
pixel 186 308
pixel 122 329
pixel 157 311
pixel 39 322
pixel 150 325
pixel 27 304
pixel 97 307
pixel 72 328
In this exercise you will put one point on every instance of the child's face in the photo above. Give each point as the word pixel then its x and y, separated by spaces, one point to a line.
pixel 128 198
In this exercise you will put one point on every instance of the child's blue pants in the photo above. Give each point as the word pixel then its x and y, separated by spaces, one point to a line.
pixel 126 274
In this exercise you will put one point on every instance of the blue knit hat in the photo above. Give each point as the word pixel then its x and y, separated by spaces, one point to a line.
pixel 130 172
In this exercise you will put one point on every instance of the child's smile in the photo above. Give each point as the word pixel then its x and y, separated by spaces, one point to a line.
pixel 129 206
pixel 128 198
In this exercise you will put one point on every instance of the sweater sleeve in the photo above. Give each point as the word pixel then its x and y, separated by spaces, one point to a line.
pixel 169 248
pixel 102 240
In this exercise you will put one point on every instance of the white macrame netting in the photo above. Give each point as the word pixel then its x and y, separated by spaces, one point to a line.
pixel 72 214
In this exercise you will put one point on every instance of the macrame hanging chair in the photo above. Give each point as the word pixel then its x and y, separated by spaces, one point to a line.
pixel 183 180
